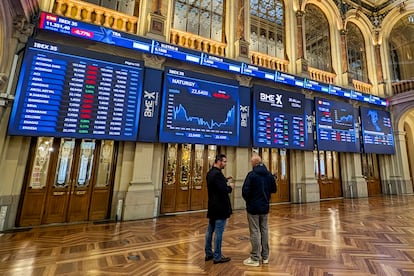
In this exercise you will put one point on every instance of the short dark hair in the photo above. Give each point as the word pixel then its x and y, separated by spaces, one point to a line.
pixel 219 157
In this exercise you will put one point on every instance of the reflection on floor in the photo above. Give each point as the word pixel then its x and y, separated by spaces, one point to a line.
pixel 370 236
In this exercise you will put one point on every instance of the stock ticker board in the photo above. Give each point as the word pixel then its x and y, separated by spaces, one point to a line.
pixel 198 109
pixel 83 95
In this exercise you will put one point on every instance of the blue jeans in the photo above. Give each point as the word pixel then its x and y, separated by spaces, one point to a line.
pixel 259 236
pixel 216 226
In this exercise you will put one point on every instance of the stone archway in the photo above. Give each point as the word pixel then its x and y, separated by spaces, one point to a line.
pixel 401 167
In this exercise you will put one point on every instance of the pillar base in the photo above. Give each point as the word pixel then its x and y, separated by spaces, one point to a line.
pixel 242 50
pixel 139 201
pixel 302 67
pixel 156 26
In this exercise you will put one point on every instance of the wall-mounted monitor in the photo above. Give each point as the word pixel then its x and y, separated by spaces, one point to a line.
pixel 199 109
pixel 377 131
pixel 279 119
pixel 72 92
pixel 335 124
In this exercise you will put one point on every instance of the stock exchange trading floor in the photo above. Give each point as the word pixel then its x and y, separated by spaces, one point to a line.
pixel 368 236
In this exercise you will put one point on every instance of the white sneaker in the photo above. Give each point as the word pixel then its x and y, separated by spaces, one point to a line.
pixel 265 261
pixel 251 262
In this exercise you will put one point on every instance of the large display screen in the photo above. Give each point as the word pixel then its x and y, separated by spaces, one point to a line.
pixel 279 119
pixel 335 123
pixel 199 109
pixel 70 92
pixel 377 131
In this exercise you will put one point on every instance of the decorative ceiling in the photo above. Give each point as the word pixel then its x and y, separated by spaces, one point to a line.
pixel 373 6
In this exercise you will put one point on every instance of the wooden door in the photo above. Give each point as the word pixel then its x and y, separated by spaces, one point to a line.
pixel 36 179
pixel 102 189
pixel 82 177
pixel 276 160
pixel 370 171
pixel 184 185
pixel 69 180
pixel 60 185
pixel 327 168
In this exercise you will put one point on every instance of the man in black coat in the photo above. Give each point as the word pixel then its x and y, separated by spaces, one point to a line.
pixel 257 189
pixel 219 208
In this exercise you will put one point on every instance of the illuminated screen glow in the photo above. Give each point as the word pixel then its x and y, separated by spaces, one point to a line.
pixel 199 109
pixel 377 133
pixel 70 92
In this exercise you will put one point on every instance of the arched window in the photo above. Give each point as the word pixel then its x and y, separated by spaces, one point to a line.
pixel 317 40
pixel 402 49
pixel 201 17
pixel 267 32
pixel 357 61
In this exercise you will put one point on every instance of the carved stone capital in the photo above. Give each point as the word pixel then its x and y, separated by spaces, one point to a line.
pixel 355 103
pixel 22 28
pixel 244 80
pixel 153 61
pixel 308 93
pixel 300 13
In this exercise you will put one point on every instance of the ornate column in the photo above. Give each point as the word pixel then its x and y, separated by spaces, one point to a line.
pixel 398 181
pixel 156 7
pixel 144 166
pixel 301 62
pixel 378 63
pixel 346 77
pixel 22 30
pixel 241 45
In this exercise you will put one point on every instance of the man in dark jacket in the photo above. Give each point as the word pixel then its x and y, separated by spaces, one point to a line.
pixel 257 189
pixel 219 208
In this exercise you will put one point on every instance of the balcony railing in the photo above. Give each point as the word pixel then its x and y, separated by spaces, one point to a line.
pixel 320 75
pixel 362 86
pixel 270 62
pixel 192 41
pixel 402 86
pixel 95 14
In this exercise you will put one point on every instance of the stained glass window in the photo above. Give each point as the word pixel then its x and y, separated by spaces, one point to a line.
pixel 201 17
pixel 317 39
pixel 357 61
pixel 267 34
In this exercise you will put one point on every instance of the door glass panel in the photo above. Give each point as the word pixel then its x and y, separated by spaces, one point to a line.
pixel 40 169
pixel 171 164
pixel 265 157
pixel 335 161
pixel 85 163
pixel 283 164
pixel 212 151
pixel 198 167
pixel 322 163
pixel 105 164
pixel 329 170
pixel 64 165
pixel 185 166
pixel 274 165
pixel 375 168
pixel 316 163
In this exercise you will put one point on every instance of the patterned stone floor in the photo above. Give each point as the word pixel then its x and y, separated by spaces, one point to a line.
pixel 369 236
